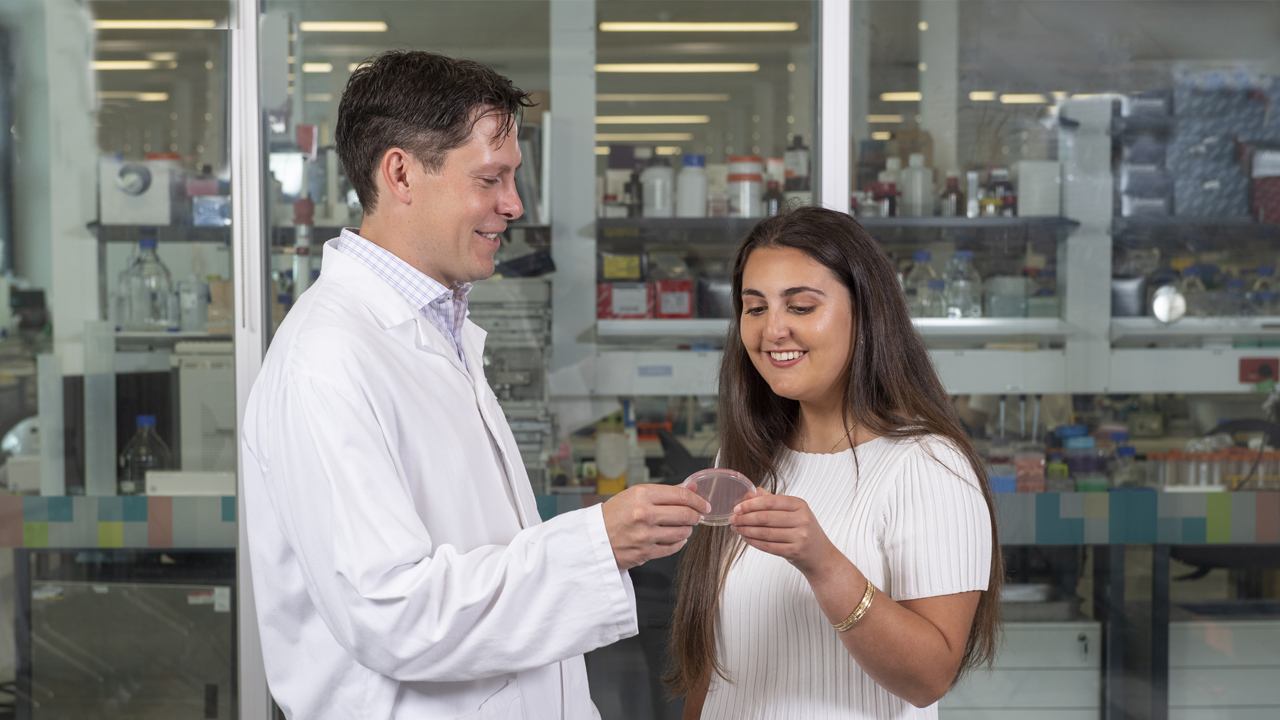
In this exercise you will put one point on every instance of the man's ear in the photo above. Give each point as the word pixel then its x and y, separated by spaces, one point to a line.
pixel 393 173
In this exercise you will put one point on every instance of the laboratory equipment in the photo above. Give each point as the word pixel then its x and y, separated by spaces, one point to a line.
pixel 723 489
pixel 691 187
pixel 963 287
pixel 1006 296
pixel 1168 304
pixel 919 294
pixel 917 188
pixel 773 201
pixel 146 451
pixel 952 201
pixel 746 185
pixel 149 303
pixel 796 163
pixel 1194 293
pixel 659 182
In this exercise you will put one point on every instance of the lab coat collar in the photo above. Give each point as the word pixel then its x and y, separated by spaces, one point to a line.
pixel 387 304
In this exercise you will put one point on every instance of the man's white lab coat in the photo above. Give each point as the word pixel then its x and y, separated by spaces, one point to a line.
pixel 400 569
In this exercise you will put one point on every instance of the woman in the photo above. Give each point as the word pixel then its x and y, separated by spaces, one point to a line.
pixel 868 587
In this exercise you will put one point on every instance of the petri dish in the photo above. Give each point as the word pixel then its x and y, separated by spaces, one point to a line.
pixel 724 489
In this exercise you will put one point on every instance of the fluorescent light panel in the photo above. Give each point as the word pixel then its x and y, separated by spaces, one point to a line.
pixel 352 67
pixel 677 67
pixel 342 26
pixel 317 67
pixel 652 119
pixel 132 65
pixel 882 135
pixel 699 26
pixel 644 137
pixel 884 118
pixel 319 97
pixel 162 56
pixel 901 97
pixel 668 150
pixel 662 97
pixel 982 96
pixel 155 24
pixel 602 149
pixel 1024 99
pixel 132 95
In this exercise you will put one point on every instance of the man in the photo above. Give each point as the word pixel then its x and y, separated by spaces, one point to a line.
pixel 400 568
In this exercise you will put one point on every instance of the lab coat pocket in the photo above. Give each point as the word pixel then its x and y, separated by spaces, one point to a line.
pixel 502 705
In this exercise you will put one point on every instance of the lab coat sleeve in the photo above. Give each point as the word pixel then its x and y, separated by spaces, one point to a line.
pixel 405 606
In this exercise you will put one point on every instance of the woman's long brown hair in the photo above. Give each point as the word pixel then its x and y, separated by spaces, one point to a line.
pixel 893 391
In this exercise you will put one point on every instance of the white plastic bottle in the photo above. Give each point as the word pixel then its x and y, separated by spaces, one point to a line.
pixel 919 294
pixel 892 172
pixel 917 188
pixel 964 287
pixel 691 187
pixel 659 182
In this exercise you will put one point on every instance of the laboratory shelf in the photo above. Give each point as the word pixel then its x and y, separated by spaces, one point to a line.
pixel 169 337
pixel 1184 370
pixel 995 328
pixel 965 223
pixel 1192 327
pixel 685 328
pixel 162 233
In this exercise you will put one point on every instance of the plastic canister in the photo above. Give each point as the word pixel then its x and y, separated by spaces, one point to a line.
pixel 659 182
pixel 917 188
pixel 746 185
pixel 691 187
pixel 1007 296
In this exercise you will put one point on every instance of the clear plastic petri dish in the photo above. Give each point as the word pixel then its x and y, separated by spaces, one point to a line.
pixel 724 489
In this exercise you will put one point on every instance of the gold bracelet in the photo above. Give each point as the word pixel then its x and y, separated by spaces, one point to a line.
pixel 858 612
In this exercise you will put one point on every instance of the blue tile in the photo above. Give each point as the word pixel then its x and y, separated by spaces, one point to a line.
pixel 1195 530
pixel 229 509
pixel 546 506
pixel 111 509
pixel 60 509
pixel 35 509
pixel 135 509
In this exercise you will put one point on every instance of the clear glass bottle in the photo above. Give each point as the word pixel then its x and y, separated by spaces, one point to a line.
pixel 146 451
pixel 1125 471
pixel 773 200
pixel 151 301
pixel 953 200
pixel 1193 291
pixel 964 287
pixel 917 285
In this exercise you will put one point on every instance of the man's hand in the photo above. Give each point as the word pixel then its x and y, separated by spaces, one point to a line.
pixel 651 521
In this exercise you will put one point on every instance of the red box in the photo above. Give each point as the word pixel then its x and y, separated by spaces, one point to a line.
pixel 674 298
pixel 1256 370
pixel 624 301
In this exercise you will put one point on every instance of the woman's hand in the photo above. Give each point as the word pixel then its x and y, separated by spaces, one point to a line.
pixel 784 526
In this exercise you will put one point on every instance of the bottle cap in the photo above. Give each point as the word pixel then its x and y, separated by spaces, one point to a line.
pixel 771 185
pixel 966 255
pixel 921 256
pixel 916 160
pixel 1119 436
pixel 1235 284
pixel 893 163
pixel 147 243
pixel 1266 270
pixel 146 421
pixel 1066 431
pixel 694 160
pixel 937 284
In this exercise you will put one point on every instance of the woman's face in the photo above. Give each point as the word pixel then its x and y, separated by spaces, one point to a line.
pixel 797 325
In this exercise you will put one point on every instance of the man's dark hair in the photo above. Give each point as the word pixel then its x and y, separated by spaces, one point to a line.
pixel 423 102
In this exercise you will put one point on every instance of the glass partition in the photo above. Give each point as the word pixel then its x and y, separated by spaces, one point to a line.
pixel 116 405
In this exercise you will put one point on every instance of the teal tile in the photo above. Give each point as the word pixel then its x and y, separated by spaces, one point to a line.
pixel 1169 530
pixel 1051 529
pixel 1195 530
pixel 135 508
pixel 61 509
pixel 229 509
pixel 546 506
pixel 111 509
pixel 1133 517
pixel 35 509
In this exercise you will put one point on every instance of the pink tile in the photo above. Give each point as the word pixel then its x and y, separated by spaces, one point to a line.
pixel 160 522
pixel 1267 523
pixel 10 521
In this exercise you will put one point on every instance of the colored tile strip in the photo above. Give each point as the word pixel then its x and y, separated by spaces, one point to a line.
pixel 1119 517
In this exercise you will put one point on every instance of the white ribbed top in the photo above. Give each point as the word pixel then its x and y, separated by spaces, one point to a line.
pixel 910 516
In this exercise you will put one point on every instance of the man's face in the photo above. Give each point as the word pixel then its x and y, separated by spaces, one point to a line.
pixel 460 211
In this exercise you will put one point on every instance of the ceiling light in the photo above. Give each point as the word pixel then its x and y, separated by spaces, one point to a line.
pixel 356 66
pixel 662 97
pixel 923 25
pixel 644 137
pixel 882 135
pixel 169 56
pixel 1024 99
pixel 652 119
pixel 884 118
pixel 602 149
pixel 668 150
pixel 319 97
pixel 132 65
pixel 982 96
pixel 699 26
pixel 677 67
pixel 901 97
pixel 317 67
pixel 132 95
pixel 342 26
pixel 155 24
